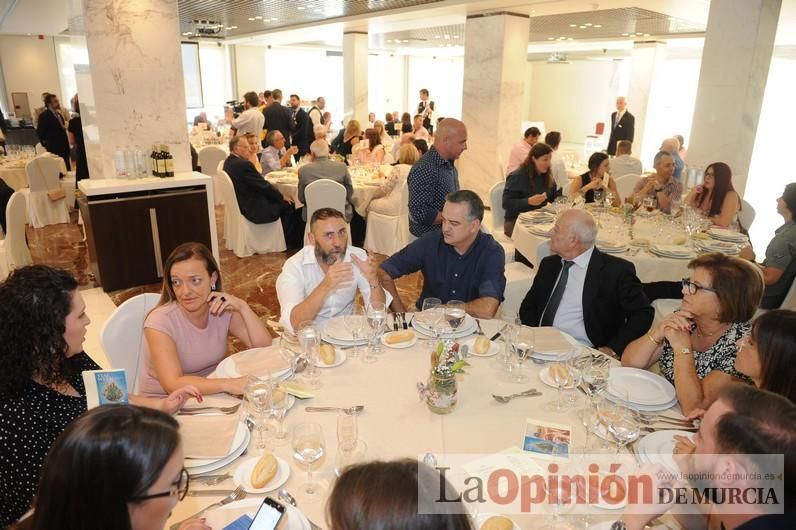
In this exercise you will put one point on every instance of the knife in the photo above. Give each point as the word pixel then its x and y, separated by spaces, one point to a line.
pixel 499 333
pixel 208 493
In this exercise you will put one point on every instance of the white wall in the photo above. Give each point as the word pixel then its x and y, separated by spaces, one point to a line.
pixel 443 77
pixel 386 84
pixel 251 68
pixel 29 65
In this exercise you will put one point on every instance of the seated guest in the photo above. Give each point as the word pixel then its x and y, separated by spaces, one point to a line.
pixel 558 169
pixel 406 138
pixel 596 178
pixel 406 123
pixel 460 262
pixel 371 119
pixel 186 334
pixel 276 156
pixel 254 147
pixel 194 159
pixel 385 139
pixel 660 186
pixel 779 266
pixel 389 203
pixel 623 163
pixel 519 153
pixel 323 167
pixel 398 495
pixel 373 153
pixel 420 132
pixel 595 297
pixel 135 473
pixel 200 118
pixel 716 198
pixel 683 151
pixel 389 125
pixel 259 201
pixel 768 353
pixel 696 346
pixel 672 146
pixel 344 143
pixel 529 187
pixel 43 327
pixel 319 132
pixel 321 281
pixel 421 145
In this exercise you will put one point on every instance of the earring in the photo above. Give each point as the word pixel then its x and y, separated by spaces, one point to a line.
pixel 213 287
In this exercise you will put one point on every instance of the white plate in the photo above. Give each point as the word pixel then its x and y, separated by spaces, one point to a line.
pixel 480 518
pixel 339 358
pixel 494 347
pixel 336 329
pixel 399 345
pixel 341 342
pixel 726 235
pixel 243 475
pixel 646 388
pixel 468 327
pixel 546 378
pixel 195 468
pixel 228 368
pixel 642 408
pixel 658 448
pixel 224 515
pixel 613 250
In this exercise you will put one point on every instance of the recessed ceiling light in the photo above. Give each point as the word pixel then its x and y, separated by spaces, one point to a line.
pixel 229 28
pixel 573 25
pixel 582 27
pixel 406 41
pixel 647 35
pixel 598 25
pixel 625 34
pixel 639 34
pixel 251 18
pixel 258 17
pixel 233 27
pixel 274 19
pixel 587 24
pixel 551 38
pixel 301 8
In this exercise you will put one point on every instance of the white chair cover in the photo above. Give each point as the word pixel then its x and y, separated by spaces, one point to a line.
pixel 220 192
pixel 242 237
pixel 499 219
pixel 625 184
pixel 122 336
pixel 323 193
pixel 69 185
pixel 387 234
pixel 14 251
pixel 40 150
pixel 501 169
pixel 210 158
pixel 43 175
pixel 747 214
pixel 519 279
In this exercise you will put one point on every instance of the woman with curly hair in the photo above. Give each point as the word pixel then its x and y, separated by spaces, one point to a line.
pixel 43 326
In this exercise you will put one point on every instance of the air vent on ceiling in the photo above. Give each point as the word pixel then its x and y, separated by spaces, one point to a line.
pixel 557 58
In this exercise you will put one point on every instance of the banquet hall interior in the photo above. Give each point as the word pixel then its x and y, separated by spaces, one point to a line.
pixel 161 83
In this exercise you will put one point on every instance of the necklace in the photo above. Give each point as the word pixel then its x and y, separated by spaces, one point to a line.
pixel 708 335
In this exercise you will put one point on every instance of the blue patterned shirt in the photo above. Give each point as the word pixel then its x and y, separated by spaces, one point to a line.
pixel 431 179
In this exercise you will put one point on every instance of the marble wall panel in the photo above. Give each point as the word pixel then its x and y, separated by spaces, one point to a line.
pixel 355 77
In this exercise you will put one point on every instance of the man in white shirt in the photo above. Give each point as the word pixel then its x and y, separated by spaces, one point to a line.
pixel 251 119
pixel 316 113
pixel 558 169
pixel 520 151
pixel 320 281
pixel 276 156
pixel 624 164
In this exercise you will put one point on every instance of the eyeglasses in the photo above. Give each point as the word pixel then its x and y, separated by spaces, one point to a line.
pixel 692 287
pixel 180 489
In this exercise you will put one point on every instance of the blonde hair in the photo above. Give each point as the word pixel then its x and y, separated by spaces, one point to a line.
pixel 351 129
pixel 408 154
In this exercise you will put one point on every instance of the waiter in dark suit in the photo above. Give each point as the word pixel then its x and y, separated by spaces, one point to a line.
pixel 51 129
pixel 259 201
pixel 426 109
pixel 278 118
pixel 302 126
pixel 623 125
pixel 595 297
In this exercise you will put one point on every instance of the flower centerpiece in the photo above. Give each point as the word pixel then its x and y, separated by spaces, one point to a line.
pixel 447 360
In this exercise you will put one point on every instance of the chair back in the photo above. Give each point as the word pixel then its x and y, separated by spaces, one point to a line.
pixel 496 206
pixel 747 215
pixel 122 336
pixel 625 184
pixel 40 150
pixel 16 247
pixel 789 302
pixel 599 128
pixel 501 169
pixel 228 193
pixel 43 173
pixel 209 157
pixel 324 193
pixel 403 190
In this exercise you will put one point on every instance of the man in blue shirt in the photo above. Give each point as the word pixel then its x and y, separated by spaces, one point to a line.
pixel 434 176
pixel 459 262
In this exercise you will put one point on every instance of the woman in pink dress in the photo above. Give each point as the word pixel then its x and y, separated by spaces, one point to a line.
pixel 186 334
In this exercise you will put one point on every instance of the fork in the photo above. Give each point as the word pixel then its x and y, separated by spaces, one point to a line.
pixel 211 480
pixel 224 410
pixel 236 495
pixel 478 323
pixel 402 316
pixel 395 321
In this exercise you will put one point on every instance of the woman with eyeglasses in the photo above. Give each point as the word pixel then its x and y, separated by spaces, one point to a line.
pixel 768 353
pixel 716 198
pixel 42 328
pixel 117 467
pixel 696 345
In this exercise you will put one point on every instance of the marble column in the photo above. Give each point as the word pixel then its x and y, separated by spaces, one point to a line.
pixel 355 77
pixel 732 81
pixel 131 93
pixel 646 68
pixel 495 54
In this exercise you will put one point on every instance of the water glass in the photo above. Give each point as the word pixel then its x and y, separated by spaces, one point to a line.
pixel 308 448
pixel 280 403
pixel 523 347
pixel 258 398
pixel 431 314
pixel 355 321
pixel 309 336
pixel 377 318
pixel 347 431
pixel 455 313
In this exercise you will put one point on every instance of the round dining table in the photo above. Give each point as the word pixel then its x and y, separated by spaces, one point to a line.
pixel 396 423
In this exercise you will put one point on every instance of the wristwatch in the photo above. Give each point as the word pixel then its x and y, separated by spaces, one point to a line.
pixel 658 190
pixel 683 351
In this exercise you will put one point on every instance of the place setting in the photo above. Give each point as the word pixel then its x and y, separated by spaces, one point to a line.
pixel 650 392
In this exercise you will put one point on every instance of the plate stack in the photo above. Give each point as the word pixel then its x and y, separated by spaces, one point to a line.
pixel 730 236
pixel 658 448
pixel 672 251
pixel 468 327
pixel 713 245
pixel 646 391
pixel 257 362
pixel 552 345
pixel 194 424
pixel 611 247
pixel 335 332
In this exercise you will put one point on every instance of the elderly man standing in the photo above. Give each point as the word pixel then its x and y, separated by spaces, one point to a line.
pixel 672 146
pixel 623 125
pixel 276 156
pixel 660 186
pixel 458 263
pixel 520 151
pixel 434 176
pixel 594 297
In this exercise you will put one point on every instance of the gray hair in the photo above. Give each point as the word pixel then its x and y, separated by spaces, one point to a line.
pixel 319 148
pixel 319 129
pixel 658 157
pixel 584 228
pixel 271 135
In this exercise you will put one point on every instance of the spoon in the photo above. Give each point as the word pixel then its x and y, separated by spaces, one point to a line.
pixel 285 496
pixel 528 393
pixel 351 411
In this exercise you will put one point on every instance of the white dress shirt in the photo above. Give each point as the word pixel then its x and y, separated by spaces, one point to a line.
pixel 249 121
pixel 569 317
pixel 302 273
pixel 558 170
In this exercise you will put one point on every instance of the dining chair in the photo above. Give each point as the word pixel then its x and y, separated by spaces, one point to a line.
pixel 498 215
pixel 323 193
pixel 122 335
pixel 387 234
pixel 625 184
pixel 210 157
pixel 14 252
pixel 43 174
pixel 519 278
pixel 747 214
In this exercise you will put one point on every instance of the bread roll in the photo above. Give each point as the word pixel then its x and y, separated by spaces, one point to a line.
pixel 277 396
pixel 397 337
pixel 328 355
pixel 265 470
pixel 498 522
pixel 481 345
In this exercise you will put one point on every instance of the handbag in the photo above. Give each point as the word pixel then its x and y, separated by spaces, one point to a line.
pixel 56 195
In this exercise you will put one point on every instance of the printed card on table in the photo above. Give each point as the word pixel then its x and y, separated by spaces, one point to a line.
pixel 105 387
pixel 546 439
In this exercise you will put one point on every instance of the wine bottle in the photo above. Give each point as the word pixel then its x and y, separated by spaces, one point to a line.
pixel 160 161
pixel 169 161
pixel 152 163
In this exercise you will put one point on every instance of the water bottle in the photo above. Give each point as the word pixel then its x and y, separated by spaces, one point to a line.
pixel 129 163
pixel 118 163
pixel 141 167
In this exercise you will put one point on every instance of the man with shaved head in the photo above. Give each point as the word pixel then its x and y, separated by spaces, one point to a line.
pixel 623 125
pixel 595 297
pixel 434 176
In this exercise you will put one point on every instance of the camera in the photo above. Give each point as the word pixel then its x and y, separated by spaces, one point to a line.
pixel 236 106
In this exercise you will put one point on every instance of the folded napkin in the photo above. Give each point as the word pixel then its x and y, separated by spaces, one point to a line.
pixel 609 243
pixel 260 361
pixel 550 340
pixel 671 249
pixel 208 436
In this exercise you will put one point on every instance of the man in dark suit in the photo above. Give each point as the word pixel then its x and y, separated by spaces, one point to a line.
pixel 302 126
pixel 51 129
pixel 623 125
pixel 278 117
pixel 259 201
pixel 595 297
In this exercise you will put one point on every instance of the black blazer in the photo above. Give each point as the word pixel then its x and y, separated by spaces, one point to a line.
pixel 52 135
pixel 303 133
pixel 279 118
pixel 615 308
pixel 624 130
pixel 259 201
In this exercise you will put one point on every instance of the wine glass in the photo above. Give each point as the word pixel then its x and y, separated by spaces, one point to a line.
pixel 595 376
pixel 455 313
pixel 510 328
pixel 599 197
pixel 280 402
pixel 355 322
pixel 350 449
pixel 649 204
pixel 309 336
pixel 431 315
pixel 561 375
pixel 377 317
pixel 258 397
pixel 308 448
pixel 523 346
pixel 623 424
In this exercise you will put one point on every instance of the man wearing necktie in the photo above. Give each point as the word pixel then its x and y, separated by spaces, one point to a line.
pixel 623 125
pixel 51 129
pixel 595 297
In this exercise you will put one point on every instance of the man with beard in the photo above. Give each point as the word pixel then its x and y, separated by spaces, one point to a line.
pixel 320 281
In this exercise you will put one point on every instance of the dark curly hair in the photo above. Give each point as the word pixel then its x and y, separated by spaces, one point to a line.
pixel 34 303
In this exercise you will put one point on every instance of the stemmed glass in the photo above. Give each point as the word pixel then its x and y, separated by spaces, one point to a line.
pixel 431 314
pixel 309 336
pixel 377 317
pixel 355 322
pixel 350 449
pixel 622 423
pixel 308 448
pixel 279 406
pixel 455 313
pixel 595 376
pixel 561 375
pixel 258 397
pixel 523 347
pixel 511 327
